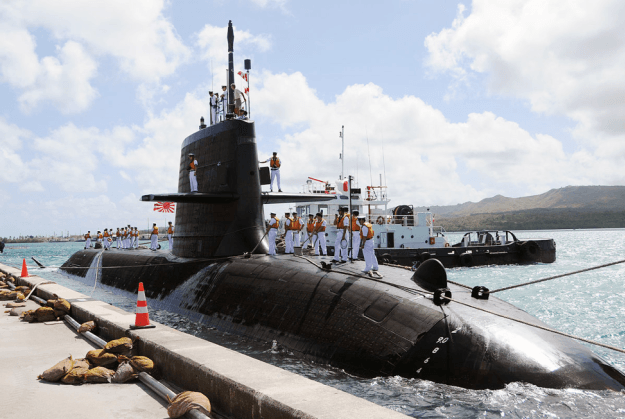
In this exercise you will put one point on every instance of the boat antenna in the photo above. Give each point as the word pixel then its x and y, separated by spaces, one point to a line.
pixel 383 162
pixel 369 154
pixel 212 78
pixel 342 135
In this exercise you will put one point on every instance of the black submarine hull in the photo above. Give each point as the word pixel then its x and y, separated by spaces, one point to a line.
pixel 362 325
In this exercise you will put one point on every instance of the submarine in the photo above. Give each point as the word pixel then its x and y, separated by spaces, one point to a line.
pixel 412 324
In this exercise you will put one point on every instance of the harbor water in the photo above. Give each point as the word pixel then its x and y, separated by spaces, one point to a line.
pixel 590 305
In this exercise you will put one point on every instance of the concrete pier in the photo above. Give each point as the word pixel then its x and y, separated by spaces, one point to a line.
pixel 238 386
pixel 28 349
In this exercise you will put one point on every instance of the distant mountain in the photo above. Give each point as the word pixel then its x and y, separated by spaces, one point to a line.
pixel 579 198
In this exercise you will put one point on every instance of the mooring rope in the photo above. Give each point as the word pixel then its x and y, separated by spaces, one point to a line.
pixel 558 276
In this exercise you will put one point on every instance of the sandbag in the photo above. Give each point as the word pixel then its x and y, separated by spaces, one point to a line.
pixel 99 375
pixel 23 289
pixel 8 295
pixel 100 358
pixel 75 376
pixel 86 327
pixel 125 372
pixel 50 303
pixel 45 314
pixel 12 305
pixel 59 313
pixel 29 316
pixel 20 296
pixel 62 304
pixel 81 363
pixel 186 401
pixel 119 346
pixel 142 363
pixel 58 371
pixel 17 311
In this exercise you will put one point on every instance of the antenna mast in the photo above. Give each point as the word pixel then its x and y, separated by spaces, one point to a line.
pixel 342 135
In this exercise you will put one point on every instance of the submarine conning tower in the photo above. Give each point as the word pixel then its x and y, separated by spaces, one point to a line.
pixel 228 220
pixel 225 216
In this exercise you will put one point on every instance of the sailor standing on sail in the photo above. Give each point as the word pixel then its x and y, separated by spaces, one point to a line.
pixel 170 236
pixel 224 103
pixel 213 105
pixel 118 235
pixel 99 238
pixel 366 237
pixel 88 239
pixel 342 236
pixel 274 164
pixel 297 226
pixel 320 233
pixel 191 169
pixel 154 242
pixel 272 231
pixel 288 233
pixel 355 235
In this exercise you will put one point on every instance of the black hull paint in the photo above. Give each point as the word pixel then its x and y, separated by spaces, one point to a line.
pixel 355 323
pixel 518 253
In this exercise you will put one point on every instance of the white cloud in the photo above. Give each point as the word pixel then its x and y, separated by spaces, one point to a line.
pixel 565 58
pixel 143 42
pixel 211 41
pixel 424 154
pixel 12 168
pixel 65 82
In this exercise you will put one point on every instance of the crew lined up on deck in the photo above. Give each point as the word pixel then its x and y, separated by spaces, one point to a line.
pixel 127 237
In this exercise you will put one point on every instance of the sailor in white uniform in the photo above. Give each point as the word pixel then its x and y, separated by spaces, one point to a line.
pixel 88 239
pixel 170 236
pixel 274 165
pixel 288 234
pixel 297 226
pixel 355 235
pixel 154 238
pixel 224 103
pixel 99 238
pixel 118 235
pixel 191 168
pixel 342 237
pixel 213 106
pixel 320 235
pixel 366 237
pixel 272 231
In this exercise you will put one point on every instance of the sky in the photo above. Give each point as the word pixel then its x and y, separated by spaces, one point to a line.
pixel 463 100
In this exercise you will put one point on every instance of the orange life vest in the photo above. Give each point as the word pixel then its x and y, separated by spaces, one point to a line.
pixel 170 230
pixel 355 226
pixel 310 225
pixel 100 236
pixel 106 234
pixel 319 226
pixel 87 236
pixel 192 164
pixel 290 226
pixel 369 232
pixel 340 225
pixel 155 230
pixel 273 223
pixel 295 224
pixel 274 163
pixel 118 234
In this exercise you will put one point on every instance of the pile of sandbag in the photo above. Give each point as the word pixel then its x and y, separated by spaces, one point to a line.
pixel 113 364
pixel 53 310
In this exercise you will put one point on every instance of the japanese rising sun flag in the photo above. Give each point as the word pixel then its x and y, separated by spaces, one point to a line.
pixel 164 207
pixel 243 75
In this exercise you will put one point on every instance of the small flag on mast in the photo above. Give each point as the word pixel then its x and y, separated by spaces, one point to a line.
pixel 164 207
pixel 243 75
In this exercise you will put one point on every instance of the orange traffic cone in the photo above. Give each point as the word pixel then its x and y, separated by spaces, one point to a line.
pixel 142 318
pixel 24 269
